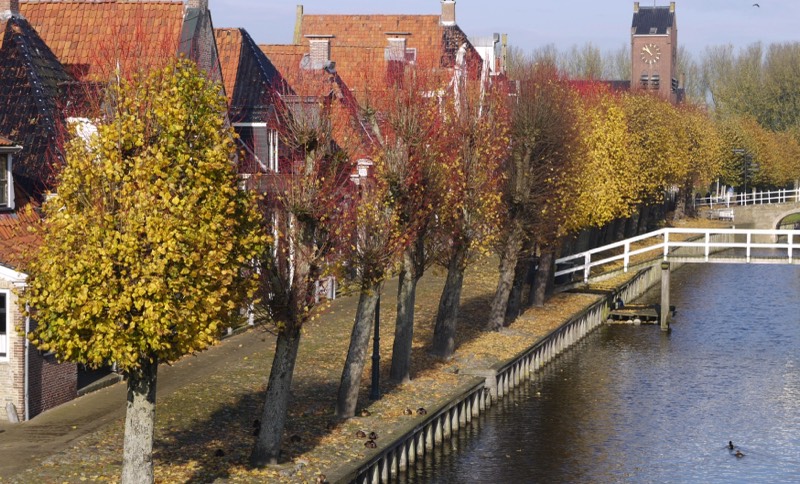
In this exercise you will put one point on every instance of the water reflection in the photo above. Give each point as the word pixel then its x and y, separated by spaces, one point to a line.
pixel 633 404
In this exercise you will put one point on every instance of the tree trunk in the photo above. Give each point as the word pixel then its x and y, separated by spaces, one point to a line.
pixel 508 264
pixel 514 306
pixel 619 229
pixel 544 274
pixel 347 399
pixel 630 226
pixel 404 326
pixel 267 448
pixel 140 419
pixel 644 216
pixel 444 333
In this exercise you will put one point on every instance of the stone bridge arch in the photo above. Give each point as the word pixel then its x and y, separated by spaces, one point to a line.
pixel 766 216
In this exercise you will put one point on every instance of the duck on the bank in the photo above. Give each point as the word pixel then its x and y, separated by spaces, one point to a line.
pixel 373 436
pixel 421 411
pixel 361 434
pixel 365 413
pixel 370 444
pixel 408 411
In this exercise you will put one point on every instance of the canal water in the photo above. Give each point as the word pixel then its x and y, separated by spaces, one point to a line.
pixel 633 404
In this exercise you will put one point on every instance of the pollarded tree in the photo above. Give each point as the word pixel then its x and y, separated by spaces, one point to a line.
pixel 309 207
pixel 544 137
pixel 478 124
pixel 145 246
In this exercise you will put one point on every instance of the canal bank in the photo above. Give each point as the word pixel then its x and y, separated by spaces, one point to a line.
pixel 492 383
pixel 204 424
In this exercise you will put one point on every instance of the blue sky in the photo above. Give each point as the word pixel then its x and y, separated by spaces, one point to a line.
pixel 535 23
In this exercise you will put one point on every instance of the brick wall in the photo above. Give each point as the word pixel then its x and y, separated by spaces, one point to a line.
pixel 50 383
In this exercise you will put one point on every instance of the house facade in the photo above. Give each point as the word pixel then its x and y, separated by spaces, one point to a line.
pixel 50 52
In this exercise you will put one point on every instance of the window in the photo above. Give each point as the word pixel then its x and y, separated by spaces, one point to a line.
pixel 6 185
pixel 260 143
pixel 5 326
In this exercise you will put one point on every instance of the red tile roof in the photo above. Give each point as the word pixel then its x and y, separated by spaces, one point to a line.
pixel 17 240
pixel 88 36
pixel 229 47
pixel 359 42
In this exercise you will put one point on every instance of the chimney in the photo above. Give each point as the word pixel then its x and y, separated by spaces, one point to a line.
pixel 635 7
pixel 201 4
pixel 319 50
pixel 671 7
pixel 504 53
pixel 9 8
pixel 397 49
pixel 298 25
pixel 448 12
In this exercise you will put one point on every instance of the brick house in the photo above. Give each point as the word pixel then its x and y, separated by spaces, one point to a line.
pixel 32 84
pixel 367 48
pixel 49 50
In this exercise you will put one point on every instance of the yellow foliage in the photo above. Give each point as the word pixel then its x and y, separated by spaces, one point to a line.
pixel 144 242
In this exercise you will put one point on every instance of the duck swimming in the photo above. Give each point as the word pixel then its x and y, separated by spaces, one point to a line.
pixel 739 453
pixel 730 444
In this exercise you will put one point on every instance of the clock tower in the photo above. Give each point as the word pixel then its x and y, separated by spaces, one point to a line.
pixel 654 50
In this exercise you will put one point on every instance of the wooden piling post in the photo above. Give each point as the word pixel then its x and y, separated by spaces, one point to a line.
pixel 664 316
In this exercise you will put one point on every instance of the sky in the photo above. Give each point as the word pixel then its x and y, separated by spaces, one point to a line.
pixel 536 23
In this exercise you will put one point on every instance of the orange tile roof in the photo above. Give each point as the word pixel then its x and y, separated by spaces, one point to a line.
pixel 229 47
pixel 347 130
pixel 89 36
pixel 2 31
pixel 359 42
pixel 17 240
pixel 5 141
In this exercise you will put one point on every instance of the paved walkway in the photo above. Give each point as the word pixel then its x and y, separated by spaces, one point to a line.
pixel 24 445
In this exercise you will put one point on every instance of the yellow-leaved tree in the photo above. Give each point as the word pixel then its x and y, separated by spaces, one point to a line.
pixel 146 245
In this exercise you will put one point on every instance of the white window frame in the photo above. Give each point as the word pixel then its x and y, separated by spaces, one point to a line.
pixel 9 205
pixel 5 351
pixel 272 162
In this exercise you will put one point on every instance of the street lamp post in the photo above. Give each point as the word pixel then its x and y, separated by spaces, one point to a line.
pixel 359 178
pixel 375 389
pixel 745 162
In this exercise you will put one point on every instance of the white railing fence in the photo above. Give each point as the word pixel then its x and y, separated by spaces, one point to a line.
pixel 701 244
pixel 749 198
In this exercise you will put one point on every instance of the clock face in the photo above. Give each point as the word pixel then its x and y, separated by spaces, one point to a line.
pixel 650 53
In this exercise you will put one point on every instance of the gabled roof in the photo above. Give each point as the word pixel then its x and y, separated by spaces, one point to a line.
pixel 359 43
pixel 652 21
pixel 348 129
pixel 32 82
pixel 251 80
pixel 93 37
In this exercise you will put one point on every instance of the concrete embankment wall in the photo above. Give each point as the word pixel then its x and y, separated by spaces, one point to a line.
pixel 492 384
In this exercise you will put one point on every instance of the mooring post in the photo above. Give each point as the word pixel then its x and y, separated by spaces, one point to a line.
pixel 664 316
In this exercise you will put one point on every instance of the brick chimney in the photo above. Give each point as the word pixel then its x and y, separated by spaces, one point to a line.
pixel 397 49
pixel 9 8
pixel 319 49
pixel 298 25
pixel 448 12
pixel 635 7
pixel 201 4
